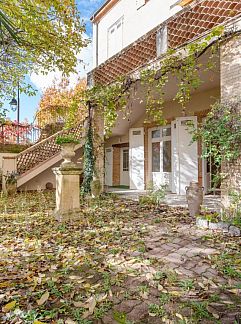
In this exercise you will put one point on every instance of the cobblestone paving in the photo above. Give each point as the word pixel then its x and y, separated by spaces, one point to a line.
pixel 194 289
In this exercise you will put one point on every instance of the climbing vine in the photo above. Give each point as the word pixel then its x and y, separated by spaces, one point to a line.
pixel 89 162
pixel 185 67
pixel 220 133
pixel 182 64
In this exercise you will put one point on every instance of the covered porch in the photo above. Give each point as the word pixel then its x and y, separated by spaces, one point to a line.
pixel 140 154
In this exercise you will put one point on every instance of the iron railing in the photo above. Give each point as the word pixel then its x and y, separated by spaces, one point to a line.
pixel 23 134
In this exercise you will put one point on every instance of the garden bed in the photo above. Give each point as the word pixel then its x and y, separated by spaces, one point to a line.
pixel 225 227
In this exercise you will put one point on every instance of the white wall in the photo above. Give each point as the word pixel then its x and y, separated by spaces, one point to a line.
pixel 5 154
pixel 136 23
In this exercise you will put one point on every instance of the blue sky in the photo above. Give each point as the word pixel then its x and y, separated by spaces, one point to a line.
pixel 28 105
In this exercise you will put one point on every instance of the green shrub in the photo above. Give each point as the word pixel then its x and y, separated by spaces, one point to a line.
pixel 154 195
pixel 66 139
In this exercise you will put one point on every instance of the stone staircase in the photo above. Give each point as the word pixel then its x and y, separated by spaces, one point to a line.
pixel 43 155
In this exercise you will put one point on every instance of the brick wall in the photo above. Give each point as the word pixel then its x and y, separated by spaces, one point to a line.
pixel 116 166
pixel 230 67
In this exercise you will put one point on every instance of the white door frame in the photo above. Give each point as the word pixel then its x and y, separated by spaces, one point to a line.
pixel 124 174
pixel 191 165
pixel 165 177
pixel 136 158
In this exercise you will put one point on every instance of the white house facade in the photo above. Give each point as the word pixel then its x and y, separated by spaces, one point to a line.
pixel 117 24
pixel 130 34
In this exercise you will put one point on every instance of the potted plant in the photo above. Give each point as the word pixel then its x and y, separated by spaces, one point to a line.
pixel 11 182
pixel 68 143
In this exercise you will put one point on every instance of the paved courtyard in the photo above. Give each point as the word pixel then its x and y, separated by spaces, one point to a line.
pixel 182 254
pixel 211 202
pixel 118 262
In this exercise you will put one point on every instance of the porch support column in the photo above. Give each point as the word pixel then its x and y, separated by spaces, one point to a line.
pixel 98 126
pixel 230 68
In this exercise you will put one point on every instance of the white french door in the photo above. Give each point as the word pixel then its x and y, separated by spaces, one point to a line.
pixel 136 158
pixel 185 155
pixel 160 156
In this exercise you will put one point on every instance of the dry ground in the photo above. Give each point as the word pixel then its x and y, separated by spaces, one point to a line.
pixel 118 262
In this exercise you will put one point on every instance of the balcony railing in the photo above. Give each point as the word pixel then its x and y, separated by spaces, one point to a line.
pixel 192 22
pixel 12 133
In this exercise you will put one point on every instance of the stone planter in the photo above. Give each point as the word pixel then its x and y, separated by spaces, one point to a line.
pixel 194 195
pixel 67 153
pixel 11 188
pixel 226 228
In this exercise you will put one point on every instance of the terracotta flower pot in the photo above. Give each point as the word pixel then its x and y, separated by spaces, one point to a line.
pixel 194 195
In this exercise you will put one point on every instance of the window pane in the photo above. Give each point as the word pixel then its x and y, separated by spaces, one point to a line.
pixel 167 156
pixel 156 157
pixel 155 134
pixel 125 160
pixel 166 131
pixel 136 133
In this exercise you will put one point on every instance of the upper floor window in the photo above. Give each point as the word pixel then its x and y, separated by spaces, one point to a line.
pixel 115 37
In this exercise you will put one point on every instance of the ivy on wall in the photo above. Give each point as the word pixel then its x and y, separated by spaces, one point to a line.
pixel 220 134
pixel 89 162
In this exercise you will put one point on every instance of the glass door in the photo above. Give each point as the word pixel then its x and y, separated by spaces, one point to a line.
pixel 160 153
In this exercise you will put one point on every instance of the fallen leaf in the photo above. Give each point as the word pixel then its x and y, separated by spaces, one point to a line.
pixel 179 316
pixel 201 285
pixel 101 297
pixel 176 293
pixel 6 308
pixel 92 304
pixel 213 312
pixel 38 322
pixel 160 287
pixel 79 304
pixel 43 299
pixel 2 296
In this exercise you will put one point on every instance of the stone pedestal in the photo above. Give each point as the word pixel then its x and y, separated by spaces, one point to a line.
pixel 8 166
pixel 67 191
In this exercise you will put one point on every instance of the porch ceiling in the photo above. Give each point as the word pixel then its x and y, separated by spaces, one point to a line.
pixel 210 80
